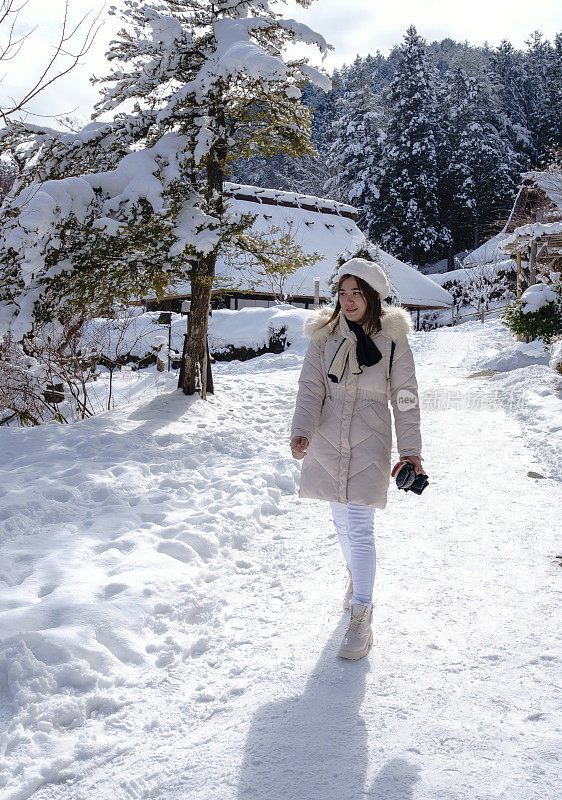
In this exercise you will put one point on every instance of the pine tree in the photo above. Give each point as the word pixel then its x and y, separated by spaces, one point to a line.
pixel 409 220
pixel 553 111
pixel 479 169
pixel 538 64
pixel 355 151
pixel 506 76
pixel 208 85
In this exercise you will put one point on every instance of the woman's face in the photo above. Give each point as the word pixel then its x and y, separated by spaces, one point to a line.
pixel 352 300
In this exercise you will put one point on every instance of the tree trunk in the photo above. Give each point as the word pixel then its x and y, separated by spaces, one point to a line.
pixel 195 372
pixel 194 369
pixel 450 257
pixel 210 383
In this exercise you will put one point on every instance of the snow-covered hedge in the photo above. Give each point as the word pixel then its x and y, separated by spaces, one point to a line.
pixel 538 312
pixel 481 284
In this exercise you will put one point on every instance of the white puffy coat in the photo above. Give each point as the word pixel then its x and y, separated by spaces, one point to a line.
pixel 348 424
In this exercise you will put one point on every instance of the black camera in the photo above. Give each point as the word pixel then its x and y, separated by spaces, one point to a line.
pixel 407 479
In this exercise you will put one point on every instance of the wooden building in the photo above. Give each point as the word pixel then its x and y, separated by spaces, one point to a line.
pixel 534 229
pixel 531 228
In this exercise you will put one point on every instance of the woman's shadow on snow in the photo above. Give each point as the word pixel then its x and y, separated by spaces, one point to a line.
pixel 315 747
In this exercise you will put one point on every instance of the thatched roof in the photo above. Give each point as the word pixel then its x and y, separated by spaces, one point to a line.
pixel 319 225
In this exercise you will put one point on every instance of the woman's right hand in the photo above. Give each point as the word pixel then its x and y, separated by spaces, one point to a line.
pixel 298 446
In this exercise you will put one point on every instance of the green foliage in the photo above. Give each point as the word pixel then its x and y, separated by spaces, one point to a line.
pixel 545 323
pixel 268 258
pixel 90 270
pixel 267 124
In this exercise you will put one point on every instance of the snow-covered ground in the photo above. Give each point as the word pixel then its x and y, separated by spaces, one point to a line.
pixel 170 612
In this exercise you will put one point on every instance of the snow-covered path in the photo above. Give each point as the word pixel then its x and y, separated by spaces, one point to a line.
pixel 230 687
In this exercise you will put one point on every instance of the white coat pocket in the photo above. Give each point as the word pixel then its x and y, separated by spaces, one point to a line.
pixel 373 419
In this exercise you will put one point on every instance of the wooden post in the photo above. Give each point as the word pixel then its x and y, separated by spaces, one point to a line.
pixel 210 386
pixel 169 343
pixel 316 292
pixel 533 264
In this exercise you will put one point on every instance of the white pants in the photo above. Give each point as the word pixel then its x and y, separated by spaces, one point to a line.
pixel 354 525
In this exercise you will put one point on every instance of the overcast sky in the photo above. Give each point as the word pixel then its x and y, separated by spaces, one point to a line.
pixel 352 26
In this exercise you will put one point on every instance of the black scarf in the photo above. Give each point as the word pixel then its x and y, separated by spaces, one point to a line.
pixel 368 354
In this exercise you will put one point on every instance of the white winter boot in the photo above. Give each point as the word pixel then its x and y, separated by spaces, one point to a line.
pixel 358 636
pixel 349 590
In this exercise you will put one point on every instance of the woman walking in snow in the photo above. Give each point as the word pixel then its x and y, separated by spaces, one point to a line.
pixel 341 426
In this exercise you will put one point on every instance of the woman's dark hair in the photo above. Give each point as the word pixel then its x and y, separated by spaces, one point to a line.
pixel 373 311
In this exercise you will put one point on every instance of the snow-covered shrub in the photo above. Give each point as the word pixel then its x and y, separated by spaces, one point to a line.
pixel 429 320
pixel 21 400
pixel 481 285
pixel 455 289
pixel 538 312
pixel 276 343
pixel 46 377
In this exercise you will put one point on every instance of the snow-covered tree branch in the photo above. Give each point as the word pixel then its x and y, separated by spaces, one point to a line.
pixel 119 208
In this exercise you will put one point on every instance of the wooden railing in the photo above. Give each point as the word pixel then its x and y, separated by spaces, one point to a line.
pixel 481 313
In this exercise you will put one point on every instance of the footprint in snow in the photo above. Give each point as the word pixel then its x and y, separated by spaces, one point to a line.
pixel 178 550
pixel 114 588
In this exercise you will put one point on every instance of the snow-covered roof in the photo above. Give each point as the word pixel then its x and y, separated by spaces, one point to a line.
pixel 330 235
pixel 525 234
pixel 282 198
pixel 414 287
pixel 487 253
pixel 492 251
pixel 549 182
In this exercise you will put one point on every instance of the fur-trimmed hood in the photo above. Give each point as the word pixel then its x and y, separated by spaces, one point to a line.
pixel 396 323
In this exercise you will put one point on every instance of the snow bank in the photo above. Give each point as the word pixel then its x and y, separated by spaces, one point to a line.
pixel 515 355
pixel 252 327
pixel 141 334
pixel 555 362
pixel 520 370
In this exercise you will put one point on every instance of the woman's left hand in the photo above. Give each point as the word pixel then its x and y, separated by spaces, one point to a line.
pixel 415 461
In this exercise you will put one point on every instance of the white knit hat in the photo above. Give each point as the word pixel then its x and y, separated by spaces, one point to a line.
pixel 369 271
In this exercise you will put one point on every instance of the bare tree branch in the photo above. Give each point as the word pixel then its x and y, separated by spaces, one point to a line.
pixel 53 70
